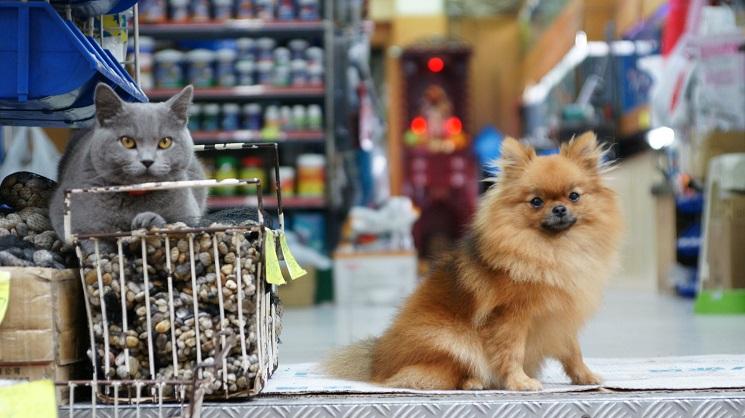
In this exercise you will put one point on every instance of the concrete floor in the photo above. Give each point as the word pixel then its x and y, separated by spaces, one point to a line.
pixel 629 324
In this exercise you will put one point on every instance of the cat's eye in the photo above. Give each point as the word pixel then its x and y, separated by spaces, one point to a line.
pixel 574 196
pixel 536 202
pixel 165 142
pixel 128 142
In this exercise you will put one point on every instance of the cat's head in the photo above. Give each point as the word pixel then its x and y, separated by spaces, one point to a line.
pixel 141 142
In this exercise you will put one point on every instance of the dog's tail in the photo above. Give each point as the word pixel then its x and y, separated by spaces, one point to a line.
pixel 353 362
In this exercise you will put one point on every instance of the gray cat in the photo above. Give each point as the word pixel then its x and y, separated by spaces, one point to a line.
pixel 130 143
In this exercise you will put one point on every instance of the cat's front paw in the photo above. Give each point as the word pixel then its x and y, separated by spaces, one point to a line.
pixel 147 220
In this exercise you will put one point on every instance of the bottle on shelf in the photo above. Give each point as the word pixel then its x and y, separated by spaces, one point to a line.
pixel 252 167
pixel 226 168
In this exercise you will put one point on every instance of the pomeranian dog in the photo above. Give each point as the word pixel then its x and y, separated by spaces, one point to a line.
pixel 517 289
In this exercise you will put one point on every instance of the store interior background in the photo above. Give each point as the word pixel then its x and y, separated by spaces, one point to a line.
pixel 515 68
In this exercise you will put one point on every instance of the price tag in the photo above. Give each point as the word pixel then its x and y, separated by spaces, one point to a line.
pixel 273 271
pixel 292 265
pixel 28 400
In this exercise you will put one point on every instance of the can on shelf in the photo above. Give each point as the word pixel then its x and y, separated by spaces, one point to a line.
pixel 286 181
pixel 230 119
pixel 225 67
pixel 195 117
pixel 311 175
pixel 168 72
pixel 211 117
pixel 226 168
pixel 200 72
pixel 252 167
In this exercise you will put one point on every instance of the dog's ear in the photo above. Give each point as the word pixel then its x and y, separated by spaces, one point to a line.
pixel 515 156
pixel 584 150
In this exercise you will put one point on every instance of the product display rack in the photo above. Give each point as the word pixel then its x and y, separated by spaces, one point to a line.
pixel 292 141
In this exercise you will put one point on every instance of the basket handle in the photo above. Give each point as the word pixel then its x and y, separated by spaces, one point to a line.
pixel 163 185
pixel 253 146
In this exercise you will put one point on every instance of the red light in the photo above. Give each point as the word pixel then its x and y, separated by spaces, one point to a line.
pixel 435 64
pixel 419 125
pixel 453 125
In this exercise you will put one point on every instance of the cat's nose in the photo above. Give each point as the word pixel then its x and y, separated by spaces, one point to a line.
pixel 147 163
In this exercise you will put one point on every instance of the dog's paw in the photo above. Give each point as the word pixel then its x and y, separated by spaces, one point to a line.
pixel 522 383
pixel 472 383
pixel 586 377
pixel 147 220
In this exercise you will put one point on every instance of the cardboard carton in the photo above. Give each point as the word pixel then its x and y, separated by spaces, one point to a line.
pixel 42 335
pixel 726 243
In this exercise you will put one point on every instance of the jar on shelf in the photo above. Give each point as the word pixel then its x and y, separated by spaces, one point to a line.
pixel 311 175
pixel 264 48
pixel 281 75
pixel 314 55
pixel 298 48
pixel 225 68
pixel 315 75
pixel 222 9
pixel 271 118
pixel 153 11
pixel 285 118
pixel 252 167
pixel 286 181
pixel 200 10
pixel 264 72
pixel 298 73
pixel 200 72
pixel 195 117
pixel 244 9
pixel 168 72
pixel 281 56
pixel 315 118
pixel 179 10
pixel 226 167
pixel 264 9
pixel 147 48
pixel 299 118
pixel 252 117
pixel 285 10
pixel 309 9
pixel 230 119
pixel 245 69
pixel 246 48
pixel 211 117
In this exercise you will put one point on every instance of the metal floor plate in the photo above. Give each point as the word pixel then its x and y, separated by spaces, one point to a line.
pixel 657 404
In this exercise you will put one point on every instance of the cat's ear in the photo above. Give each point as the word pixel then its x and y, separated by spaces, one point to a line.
pixel 108 104
pixel 179 104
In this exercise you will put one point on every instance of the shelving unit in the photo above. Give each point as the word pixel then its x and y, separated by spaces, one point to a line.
pixel 288 202
pixel 319 32
pixel 257 92
pixel 304 137
pixel 232 28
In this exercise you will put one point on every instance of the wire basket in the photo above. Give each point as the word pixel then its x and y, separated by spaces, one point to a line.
pixel 164 303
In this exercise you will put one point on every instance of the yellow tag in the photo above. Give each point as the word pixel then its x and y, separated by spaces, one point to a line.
pixel 292 266
pixel 4 293
pixel 273 271
pixel 28 400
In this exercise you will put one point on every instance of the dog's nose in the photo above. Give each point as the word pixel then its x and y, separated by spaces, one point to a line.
pixel 559 210
pixel 148 163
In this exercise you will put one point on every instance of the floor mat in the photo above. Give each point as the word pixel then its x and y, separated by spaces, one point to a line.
pixel 661 373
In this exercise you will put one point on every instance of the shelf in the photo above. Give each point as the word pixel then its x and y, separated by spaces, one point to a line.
pixel 230 28
pixel 293 202
pixel 305 137
pixel 243 93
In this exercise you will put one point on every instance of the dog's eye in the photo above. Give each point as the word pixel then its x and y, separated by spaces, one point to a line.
pixel 128 142
pixel 536 202
pixel 165 142
pixel 574 196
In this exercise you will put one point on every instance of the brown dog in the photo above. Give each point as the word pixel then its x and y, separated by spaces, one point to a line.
pixel 518 288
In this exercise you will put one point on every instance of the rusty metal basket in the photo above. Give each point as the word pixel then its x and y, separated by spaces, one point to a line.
pixel 163 303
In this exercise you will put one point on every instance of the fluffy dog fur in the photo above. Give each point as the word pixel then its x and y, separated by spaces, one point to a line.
pixel 517 290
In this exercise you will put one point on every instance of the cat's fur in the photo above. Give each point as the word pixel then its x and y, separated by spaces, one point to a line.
pixel 96 157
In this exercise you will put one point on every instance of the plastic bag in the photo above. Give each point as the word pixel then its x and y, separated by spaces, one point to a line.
pixel 31 150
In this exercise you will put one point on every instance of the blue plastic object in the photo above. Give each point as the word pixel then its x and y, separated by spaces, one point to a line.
pixel 48 76
pixel 91 8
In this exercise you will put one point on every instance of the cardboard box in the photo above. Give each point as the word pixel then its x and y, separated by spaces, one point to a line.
pixel 42 335
pixel 381 278
pixel 726 243
pixel 299 293
pixel 714 144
